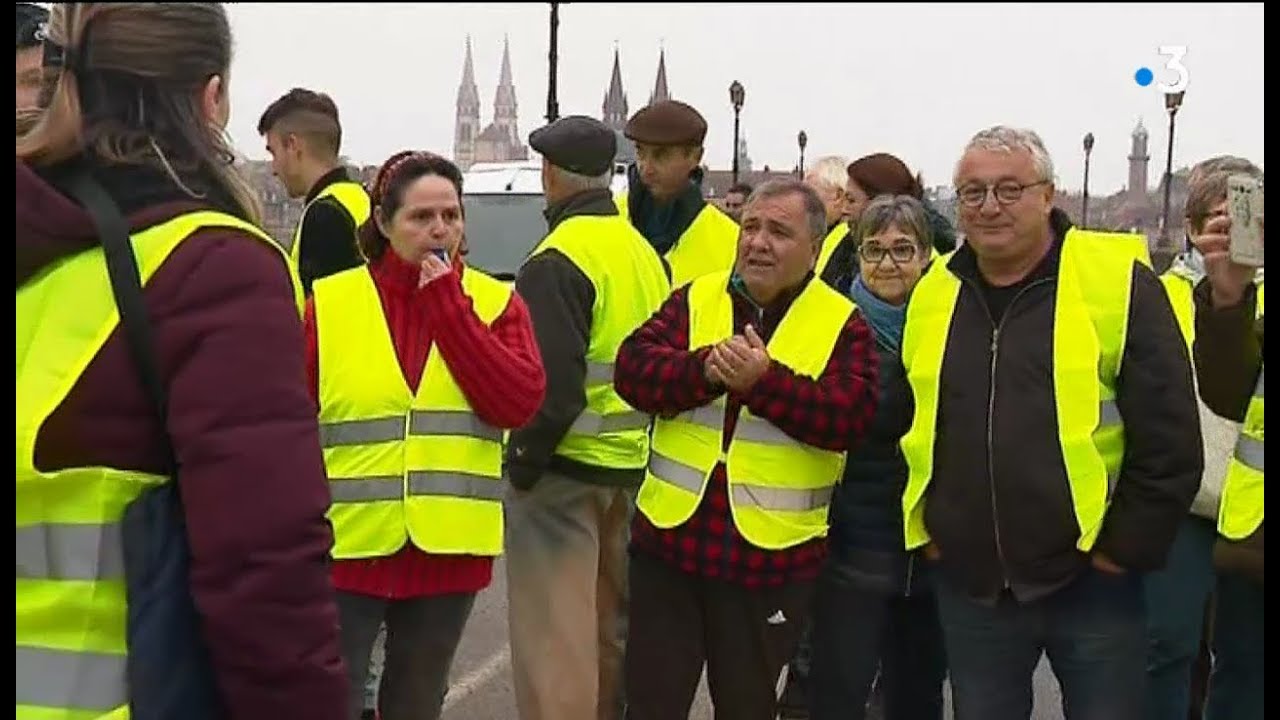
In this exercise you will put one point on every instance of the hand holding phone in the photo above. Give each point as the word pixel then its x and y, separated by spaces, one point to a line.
pixel 1244 207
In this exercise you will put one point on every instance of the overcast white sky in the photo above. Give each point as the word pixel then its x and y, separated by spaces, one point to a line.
pixel 914 80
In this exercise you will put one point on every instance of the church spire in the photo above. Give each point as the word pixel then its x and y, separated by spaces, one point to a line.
pixel 467 114
pixel 615 100
pixel 468 94
pixel 504 100
pixel 660 91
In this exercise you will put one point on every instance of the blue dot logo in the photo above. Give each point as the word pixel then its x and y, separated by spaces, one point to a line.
pixel 1144 76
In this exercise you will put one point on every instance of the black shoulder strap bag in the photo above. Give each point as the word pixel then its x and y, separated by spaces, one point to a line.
pixel 169 673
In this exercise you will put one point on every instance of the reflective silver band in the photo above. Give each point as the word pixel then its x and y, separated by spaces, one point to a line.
pixel 456 484
pixel 366 489
pixel 592 423
pixel 68 679
pixel 361 432
pixel 1249 452
pixel 456 423
pixel 676 473
pixel 783 499
pixel 65 551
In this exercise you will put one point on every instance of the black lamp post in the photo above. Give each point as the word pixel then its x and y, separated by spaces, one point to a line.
pixel 1088 150
pixel 553 105
pixel 737 96
pixel 1172 101
pixel 802 139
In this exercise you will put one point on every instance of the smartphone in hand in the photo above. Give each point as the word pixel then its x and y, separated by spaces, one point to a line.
pixel 1244 206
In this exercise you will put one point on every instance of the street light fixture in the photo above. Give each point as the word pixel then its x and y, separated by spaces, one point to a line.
pixel 737 96
pixel 802 139
pixel 553 103
pixel 1164 245
pixel 1088 150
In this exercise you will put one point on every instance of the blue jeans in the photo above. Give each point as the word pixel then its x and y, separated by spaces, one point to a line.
pixel 1236 686
pixel 1176 599
pixel 1093 631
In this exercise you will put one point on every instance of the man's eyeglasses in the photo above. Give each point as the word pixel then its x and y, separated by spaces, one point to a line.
pixel 900 253
pixel 1007 192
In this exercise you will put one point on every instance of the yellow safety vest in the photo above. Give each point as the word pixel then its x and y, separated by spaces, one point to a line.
pixel 829 245
pixel 630 285
pixel 402 466
pixel 71 601
pixel 1091 314
pixel 1242 501
pixel 779 488
pixel 708 245
pixel 350 195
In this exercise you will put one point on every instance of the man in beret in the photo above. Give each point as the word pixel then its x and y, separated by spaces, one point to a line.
pixel 575 468
pixel 664 198
pixel 30 19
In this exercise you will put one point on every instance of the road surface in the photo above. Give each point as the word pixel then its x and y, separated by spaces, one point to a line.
pixel 480 686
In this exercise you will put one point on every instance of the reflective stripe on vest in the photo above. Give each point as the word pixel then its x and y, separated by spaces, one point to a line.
pixel 71 606
pixel 708 245
pixel 350 195
pixel 829 245
pixel 1091 310
pixel 402 466
pixel 1242 492
pixel 779 488
pixel 629 285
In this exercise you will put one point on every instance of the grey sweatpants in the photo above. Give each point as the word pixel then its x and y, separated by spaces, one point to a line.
pixel 422 635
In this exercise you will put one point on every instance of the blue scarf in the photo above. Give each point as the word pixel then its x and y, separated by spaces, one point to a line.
pixel 885 319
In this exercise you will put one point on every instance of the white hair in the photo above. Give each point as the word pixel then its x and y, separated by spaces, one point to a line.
pixel 831 170
pixel 573 182
pixel 1002 138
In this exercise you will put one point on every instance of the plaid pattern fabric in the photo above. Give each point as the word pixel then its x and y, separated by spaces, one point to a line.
pixel 657 374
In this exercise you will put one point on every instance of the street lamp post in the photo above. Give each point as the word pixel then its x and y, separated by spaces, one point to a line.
pixel 553 104
pixel 1088 150
pixel 1164 245
pixel 802 139
pixel 737 96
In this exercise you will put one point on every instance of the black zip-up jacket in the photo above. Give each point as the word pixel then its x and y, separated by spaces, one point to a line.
pixel 560 298
pixel 866 509
pixel 999 505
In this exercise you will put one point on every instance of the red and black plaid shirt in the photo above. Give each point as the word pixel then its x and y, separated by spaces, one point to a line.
pixel 656 373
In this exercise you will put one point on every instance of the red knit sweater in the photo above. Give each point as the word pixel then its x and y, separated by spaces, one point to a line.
pixel 498 368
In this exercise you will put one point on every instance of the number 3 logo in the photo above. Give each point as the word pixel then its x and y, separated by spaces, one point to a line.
pixel 1175 54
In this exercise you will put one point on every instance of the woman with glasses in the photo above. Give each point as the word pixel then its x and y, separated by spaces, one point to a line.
pixel 874 608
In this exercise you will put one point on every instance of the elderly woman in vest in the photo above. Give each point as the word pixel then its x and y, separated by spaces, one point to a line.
pixel 875 606
pixel 418 363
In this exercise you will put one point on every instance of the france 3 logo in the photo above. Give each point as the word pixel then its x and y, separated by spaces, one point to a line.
pixel 1175 71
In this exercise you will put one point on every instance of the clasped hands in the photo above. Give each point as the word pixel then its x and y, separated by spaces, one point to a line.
pixel 739 362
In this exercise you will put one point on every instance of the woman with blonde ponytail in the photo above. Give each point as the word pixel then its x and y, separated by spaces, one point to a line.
pixel 217 604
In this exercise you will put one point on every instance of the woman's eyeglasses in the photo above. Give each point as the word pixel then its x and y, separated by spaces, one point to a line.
pixel 899 253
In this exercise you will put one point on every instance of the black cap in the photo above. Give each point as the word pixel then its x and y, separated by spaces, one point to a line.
pixel 30 18
pixel 577 143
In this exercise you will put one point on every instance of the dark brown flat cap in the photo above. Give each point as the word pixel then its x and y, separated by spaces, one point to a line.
pixel 669 122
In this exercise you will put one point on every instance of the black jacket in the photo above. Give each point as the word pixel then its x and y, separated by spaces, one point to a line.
pixel 560 297
pixel 328 235
pixel 999 506
pixel 866 510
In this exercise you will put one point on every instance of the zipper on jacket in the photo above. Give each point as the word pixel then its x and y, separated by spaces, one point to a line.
pixel 911 561
pixel 991 411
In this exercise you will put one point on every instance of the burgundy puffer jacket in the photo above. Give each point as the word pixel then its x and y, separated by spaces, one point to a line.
pixel 229 345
